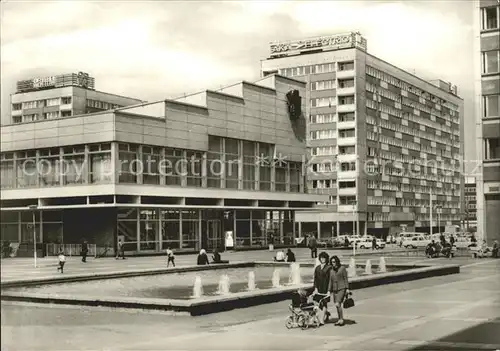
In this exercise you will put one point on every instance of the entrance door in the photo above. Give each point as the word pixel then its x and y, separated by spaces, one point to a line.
pixel 214 234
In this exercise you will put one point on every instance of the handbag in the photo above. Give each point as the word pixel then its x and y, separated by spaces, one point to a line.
pixel 348 301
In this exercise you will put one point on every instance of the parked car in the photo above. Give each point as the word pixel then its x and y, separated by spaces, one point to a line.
pixel 380 244
pixel 403 236
pixel 416 242
pixel 355 238
pixel 365 243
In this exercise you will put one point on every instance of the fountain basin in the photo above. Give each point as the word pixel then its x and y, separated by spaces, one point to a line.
pixel 214 303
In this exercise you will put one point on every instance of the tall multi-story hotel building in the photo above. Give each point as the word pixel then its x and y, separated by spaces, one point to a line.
pixel 487 70
pixel 186 174
pixel 381 139
pixel 60 96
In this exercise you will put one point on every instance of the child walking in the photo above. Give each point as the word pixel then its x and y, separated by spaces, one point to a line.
pixel 62 261
pixel 170 257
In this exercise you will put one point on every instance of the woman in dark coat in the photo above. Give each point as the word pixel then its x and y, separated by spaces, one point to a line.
pixel 338 286
pixel 290 256
pixel 321 281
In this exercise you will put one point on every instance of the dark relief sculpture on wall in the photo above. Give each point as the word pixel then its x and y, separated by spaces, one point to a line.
pixel 294 102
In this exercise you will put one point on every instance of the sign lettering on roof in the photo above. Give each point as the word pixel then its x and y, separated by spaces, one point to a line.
pixel 44 82
pixel 80 79
pixel 332 42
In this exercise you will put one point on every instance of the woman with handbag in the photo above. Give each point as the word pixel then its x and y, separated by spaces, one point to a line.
pixel 338 287
pixel 321 284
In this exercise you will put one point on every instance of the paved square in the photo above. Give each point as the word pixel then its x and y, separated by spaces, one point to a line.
pixel 454 312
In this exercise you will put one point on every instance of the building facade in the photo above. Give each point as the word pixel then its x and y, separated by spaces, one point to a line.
pixel 470 203
pixel 487 53
pixel 184 173
pixel 61 96
pixel 382 141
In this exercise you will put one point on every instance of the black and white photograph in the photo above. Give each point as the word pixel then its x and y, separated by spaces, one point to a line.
pixel 250 175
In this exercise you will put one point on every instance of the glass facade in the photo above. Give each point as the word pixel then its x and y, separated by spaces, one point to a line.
pixel 17 226
pixel 152 229
pixel 155 229
pixel 228 164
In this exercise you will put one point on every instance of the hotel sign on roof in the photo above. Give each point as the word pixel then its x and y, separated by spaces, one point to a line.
pixel 331 42
pixel 79 79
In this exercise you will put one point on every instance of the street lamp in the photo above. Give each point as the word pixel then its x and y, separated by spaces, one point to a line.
pixel 438 210
pixel 34 208
pixel 354 232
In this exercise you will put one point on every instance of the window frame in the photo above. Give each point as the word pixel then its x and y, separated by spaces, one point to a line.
pixel 484 63
pixel 486 111
pixel 483 17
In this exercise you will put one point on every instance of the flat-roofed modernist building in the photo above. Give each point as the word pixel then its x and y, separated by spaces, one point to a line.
pixel 61 96
pixel 487 70
pixel 176 173
pixel 381 139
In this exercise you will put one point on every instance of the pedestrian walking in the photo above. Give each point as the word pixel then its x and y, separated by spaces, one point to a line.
pixel 374 244
pixel 338 287
pixel 346 242
pixel 61 261
pixel 170 257
pixel 120 252
pixel 313 246
pixel 85 251
pixel 321 282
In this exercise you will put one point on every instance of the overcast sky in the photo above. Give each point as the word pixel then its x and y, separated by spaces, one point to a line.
pixel 156 50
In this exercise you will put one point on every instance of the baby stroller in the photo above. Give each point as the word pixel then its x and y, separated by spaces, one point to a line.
pixel 305 310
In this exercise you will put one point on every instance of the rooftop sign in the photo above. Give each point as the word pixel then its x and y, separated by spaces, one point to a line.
pixel 331 42
pixel 79 79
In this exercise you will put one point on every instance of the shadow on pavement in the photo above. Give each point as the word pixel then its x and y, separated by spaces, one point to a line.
pixel 484 336
pixel 346 321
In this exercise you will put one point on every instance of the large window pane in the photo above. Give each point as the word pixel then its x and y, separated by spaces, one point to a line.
pixel 129 163
pixel 7 174
pixel 170 231
pixel 127 227
pixel 150 162
pixel 491 61
pixel 492 106
pixel 280 176
pixel 249 163
pixel 9 232
pixel 490 17
pixel 100 168
pixel 214 169
pixel 193 171
pixel 265 178
pixel 170 234
pixel 73 167
pixel 295 176
pixel 243 232
pixel 232 160
pixel 492 148
pixel 173 166
pixel 52 232
pixel 190 229
pixel 48 168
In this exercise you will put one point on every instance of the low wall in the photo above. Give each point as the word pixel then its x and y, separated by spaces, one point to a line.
pixel 212 304
pixel 116 275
